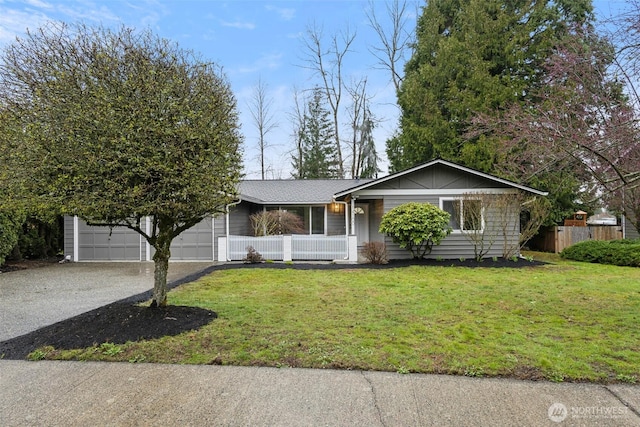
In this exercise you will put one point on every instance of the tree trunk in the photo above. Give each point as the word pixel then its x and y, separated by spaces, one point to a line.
pixel 161 261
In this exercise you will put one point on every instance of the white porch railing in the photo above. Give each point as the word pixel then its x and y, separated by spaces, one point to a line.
pixel 320 248
pixel 287 248
pixel 270 247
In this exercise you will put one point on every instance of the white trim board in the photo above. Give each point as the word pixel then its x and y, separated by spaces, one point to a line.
pixel 433 192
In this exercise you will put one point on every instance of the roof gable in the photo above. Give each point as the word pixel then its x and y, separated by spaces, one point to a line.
pixel 438 175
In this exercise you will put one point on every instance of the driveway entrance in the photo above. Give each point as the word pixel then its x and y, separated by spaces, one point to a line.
pixel 33 298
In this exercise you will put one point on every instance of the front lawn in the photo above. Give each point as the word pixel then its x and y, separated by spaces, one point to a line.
pixel 566 321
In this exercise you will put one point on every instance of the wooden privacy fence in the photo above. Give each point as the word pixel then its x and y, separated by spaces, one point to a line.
pixel 555 239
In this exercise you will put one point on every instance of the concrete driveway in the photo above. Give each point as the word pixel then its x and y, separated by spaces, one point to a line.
pixel 33 298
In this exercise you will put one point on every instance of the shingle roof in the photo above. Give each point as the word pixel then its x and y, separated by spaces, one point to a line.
pixel 290 191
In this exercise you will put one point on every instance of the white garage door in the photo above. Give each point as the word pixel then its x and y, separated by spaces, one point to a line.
pixel 105 244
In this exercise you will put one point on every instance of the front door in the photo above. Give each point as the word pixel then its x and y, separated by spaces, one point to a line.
pixel 362 222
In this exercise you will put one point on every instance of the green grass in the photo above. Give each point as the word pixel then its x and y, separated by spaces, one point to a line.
pixel 567 321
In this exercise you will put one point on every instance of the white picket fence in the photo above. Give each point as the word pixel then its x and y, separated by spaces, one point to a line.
pixel 296 247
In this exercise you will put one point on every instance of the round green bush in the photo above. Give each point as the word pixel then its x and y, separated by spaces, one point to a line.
pixel 416 226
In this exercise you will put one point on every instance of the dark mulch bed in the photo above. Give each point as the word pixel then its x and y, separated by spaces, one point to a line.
pixel 472 263
pixel 116 323
pixel 125 321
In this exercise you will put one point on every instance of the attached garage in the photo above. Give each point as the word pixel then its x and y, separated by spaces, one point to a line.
pixel 93 243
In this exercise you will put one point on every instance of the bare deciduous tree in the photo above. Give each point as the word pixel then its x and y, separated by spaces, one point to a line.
pixel 327 64
pixel 260 108
pixel 395 41
pixel 470 212
pixel 270 223
pixel 518 215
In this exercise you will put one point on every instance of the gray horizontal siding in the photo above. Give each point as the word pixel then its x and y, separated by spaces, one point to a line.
pixel 458 245
pixel 335 223
pixel 239 222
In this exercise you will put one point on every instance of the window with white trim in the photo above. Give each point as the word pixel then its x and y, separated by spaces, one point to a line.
pixel 466 214
pixel 312 218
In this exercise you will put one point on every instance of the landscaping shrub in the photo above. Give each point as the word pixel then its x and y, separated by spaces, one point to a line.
pixel 40 238
pixel 416 227
pixel 253 256
pixel 614 252
pixel 375 252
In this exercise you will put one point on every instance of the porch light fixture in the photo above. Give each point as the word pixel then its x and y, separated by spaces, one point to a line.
pixel 337 208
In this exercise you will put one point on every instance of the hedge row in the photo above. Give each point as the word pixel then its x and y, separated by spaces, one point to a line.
pixel 615 252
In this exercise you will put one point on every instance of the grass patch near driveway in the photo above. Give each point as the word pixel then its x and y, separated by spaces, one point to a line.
pixel 567 321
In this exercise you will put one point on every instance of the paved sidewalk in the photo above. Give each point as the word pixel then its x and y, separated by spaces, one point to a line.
pixel 121 394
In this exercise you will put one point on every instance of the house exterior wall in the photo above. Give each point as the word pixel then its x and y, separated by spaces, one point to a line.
pixel 239 222
pixel 335 223
pixel 457 244
pixel 432 185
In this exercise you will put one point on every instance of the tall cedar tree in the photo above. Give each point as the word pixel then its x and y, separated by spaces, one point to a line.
pixel 118 126
pixel 317 148
pixel 472 56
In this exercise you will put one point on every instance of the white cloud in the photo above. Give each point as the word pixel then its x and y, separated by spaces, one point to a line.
pixel 39 4
pixel 15 22
pixel 269 61
pixel 150 11
pixel 239 25
pixel 90 12
pixel 286 14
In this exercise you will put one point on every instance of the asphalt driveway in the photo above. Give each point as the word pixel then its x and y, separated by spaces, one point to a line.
pixel 33 298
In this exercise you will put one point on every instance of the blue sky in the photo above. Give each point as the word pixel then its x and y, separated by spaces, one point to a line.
pixel 252 40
